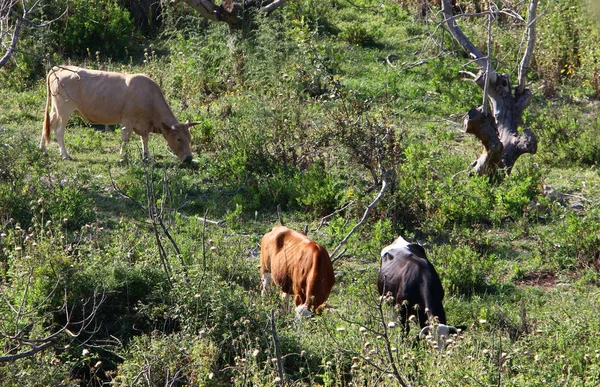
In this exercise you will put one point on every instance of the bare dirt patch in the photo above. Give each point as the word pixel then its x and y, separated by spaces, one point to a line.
pixel 543 279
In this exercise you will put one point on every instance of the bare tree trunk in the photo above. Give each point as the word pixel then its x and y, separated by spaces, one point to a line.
pixel 498 130
pixel 504 144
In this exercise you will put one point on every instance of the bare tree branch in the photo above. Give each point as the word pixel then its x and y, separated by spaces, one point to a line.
pixel 499 131
pixel 464 42
pixel 531 34
pixel 273 6
pixel 488 68
pixel 11 31
pixel 35 349
pixel 13 43
pixel 384 186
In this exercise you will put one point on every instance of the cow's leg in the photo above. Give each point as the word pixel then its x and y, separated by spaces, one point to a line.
pixel 59 132
pixel 145 147
pixel 125 136
pixel 59 117
pixel 303 305
pixel 267 281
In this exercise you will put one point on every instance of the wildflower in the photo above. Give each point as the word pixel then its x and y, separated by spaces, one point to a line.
pixel 391 324
pixel 362 329
pixel 255 353
pixel 341 329
pixel 85 352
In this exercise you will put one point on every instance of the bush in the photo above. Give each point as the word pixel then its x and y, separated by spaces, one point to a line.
pixel 98 26
pixel 357 34
pixel 176 359
pixel 461 269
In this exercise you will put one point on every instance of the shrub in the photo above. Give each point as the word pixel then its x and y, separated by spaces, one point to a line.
pixel 102 26
pixel 461 269
pixel 175 359
pixel 357 34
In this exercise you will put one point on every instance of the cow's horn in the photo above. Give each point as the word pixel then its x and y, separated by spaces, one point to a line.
pixel 424 332
pixel 190 124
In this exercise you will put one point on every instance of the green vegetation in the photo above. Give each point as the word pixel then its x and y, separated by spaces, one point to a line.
pixel 302 111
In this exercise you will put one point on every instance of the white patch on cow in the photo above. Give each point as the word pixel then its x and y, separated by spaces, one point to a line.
pixel 399 243
pixel 441 333
pixel 302 311
pixel 267 280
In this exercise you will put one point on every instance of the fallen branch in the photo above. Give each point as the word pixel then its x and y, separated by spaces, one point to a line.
pixel 203 219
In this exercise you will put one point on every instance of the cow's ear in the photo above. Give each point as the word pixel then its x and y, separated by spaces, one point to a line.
pixel 169 128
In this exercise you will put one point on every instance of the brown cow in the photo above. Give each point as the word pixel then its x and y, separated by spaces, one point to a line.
pixel 299 266
pixel 101 97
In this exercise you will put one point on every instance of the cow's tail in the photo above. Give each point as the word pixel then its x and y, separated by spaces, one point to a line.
pixel 46 127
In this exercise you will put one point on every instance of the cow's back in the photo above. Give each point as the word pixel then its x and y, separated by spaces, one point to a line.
pixel 283 255
pixel 298 265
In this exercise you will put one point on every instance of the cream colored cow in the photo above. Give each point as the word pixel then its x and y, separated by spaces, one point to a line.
pixel 101 97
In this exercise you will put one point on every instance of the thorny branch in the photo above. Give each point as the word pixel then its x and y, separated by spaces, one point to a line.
pixel 386 363
pixel 156 218
pixel 74 328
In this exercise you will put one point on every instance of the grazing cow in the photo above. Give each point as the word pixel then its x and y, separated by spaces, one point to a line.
pixel 133 100
pixel 412 280
pixel 299 266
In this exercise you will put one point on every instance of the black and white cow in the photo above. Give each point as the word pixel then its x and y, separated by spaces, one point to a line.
pixel 412 282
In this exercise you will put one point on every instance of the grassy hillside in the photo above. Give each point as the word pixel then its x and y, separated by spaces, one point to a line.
pixel 302 111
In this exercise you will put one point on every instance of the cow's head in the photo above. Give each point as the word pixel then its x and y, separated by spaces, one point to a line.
pixel 178 138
